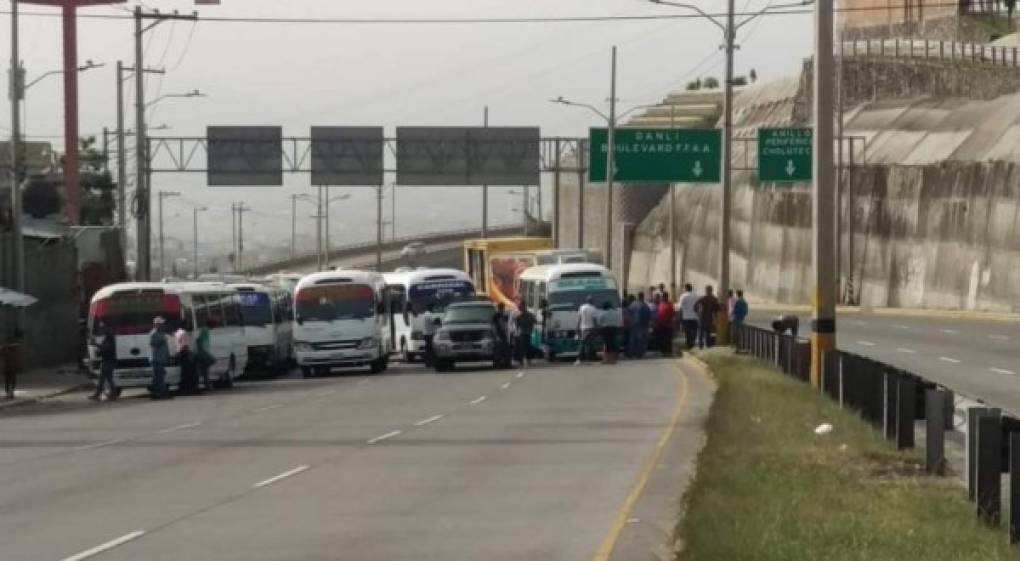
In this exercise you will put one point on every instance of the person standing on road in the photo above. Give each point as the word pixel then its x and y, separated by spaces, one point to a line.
pixel 689 317
pixel 204 358
pixel 524 326
pixel 610 322
pixel 160 347
pixel 107 363
pixel 501 330
pixel 641 319
pixel 186 361
pixel 628 320
pixel 740 310
pixel 428 333
pixel 587 330
pixel 10 355
pixel 664 326
pixel 707 308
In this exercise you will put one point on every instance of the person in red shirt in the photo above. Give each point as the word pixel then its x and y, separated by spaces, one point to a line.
pixel 664 325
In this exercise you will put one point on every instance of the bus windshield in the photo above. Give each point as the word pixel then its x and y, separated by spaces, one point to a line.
pixel 573 299
pixel 256 309
pixel 131 313
pixel 440 294
pixel 335 302
pixel 469 314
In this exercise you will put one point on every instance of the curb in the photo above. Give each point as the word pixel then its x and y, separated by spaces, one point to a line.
pixel 900 312
pixel 50 395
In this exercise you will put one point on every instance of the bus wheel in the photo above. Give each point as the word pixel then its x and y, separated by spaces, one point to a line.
pixel 379 365
pixel 306 371
pixel 550 355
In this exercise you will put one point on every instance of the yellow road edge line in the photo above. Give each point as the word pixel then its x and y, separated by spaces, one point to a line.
pixel 609 542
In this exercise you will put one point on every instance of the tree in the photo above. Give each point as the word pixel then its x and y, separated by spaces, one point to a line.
pixel 711 83
pixel 754 75
pixel 694 85
pixel 97 186
pixel 1010 6
pixel 40 197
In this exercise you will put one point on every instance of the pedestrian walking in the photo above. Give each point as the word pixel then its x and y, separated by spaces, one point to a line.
pixel 428 333
pixel 524 327
pixel 664 326
pixel 610 323
pixel 587 330
pixel 186 361
pixel 204 358
pixel 10 355
pixel 707 308
pixel 501 330
pixel 107 344
pixel 160 347
pixel 688 316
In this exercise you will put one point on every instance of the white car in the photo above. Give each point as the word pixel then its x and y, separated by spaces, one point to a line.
pixel 413 249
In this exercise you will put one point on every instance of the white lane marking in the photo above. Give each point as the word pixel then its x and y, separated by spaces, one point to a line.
pixel 390 434
pixel 948 331
pixel 521 374
pixel 907 351
pixel 331 392
pixel 269 407
pixel 431 419
pixel 1002 371
pixel 999 337
pixel 902 326
pixel 283 475
pixel 101 444
pixel 866 343
pixel 178 427
pixel 949 359
pixel 106 546
pixel 479 400
pixel 506 386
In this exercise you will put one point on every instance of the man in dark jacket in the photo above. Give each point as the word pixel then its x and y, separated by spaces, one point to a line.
pixel 501 331
pixel 107 363
pixel 707 308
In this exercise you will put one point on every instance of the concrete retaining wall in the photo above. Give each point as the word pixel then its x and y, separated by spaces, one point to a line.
pixel 941 237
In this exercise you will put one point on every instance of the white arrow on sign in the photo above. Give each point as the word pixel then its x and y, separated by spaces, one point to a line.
pixel 790 168
pixel 697 168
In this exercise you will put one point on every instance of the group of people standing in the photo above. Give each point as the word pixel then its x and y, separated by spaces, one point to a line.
pixel 194 360
pixel 513 330
pixel 699 314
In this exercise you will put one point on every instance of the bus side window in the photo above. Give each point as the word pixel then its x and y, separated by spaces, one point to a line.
pixel 215 311
pixel 231 310
pixel 201 311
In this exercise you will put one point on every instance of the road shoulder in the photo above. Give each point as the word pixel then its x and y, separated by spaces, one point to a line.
pixel 649 527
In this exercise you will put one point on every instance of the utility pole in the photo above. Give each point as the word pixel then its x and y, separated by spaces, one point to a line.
pixel 378 230
pixel 121 161
pixel 524 209
pixel 17 237
pixel 233 236
pixel 163 195
pixel 393 211
pixel 581 149
pixel 727 178
pixel 611 164
pixel 293 226
pixel 142 187
pixel 823 323
pixel 194 248
pixel 241 209
pixel 106 149
pixel 485 190
pixel 318 231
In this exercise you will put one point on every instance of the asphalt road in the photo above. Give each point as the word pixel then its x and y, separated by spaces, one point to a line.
pixel 531 464
pixel 977 358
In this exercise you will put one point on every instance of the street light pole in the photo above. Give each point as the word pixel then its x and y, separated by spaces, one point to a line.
pixel 293 226
pixel 378 230
pixel 727 178
pixel 485 190
pixel 163 195
pixel 823 324
pixel 611 163
pixel 17 240
pixel 194 248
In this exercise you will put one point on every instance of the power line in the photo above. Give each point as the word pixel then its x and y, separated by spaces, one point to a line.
pixel 480 20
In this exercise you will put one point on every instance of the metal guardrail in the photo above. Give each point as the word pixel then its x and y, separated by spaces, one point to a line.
pixel 977 53
pixel 892 400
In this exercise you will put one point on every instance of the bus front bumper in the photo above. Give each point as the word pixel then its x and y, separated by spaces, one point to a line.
pixel 338 358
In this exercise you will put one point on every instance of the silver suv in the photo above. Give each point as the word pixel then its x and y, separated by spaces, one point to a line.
pixel 465 336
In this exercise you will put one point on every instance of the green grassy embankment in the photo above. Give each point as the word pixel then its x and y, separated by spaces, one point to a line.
pixel 769 488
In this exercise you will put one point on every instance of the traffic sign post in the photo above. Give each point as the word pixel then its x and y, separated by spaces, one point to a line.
pixel 784 155
pixel 658 155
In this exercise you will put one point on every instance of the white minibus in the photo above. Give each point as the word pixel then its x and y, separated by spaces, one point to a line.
pixel 411 292
pixel 267 315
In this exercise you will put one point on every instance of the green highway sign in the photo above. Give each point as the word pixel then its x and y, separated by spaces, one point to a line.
pixel 784 155
pixel 658 155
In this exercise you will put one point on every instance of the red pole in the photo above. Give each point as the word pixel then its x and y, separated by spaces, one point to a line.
pixel 71 181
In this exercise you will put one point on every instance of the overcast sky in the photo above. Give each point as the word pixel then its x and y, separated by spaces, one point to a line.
pixel 299 75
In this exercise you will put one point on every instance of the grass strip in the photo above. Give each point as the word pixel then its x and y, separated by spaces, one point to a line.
pixel 769 488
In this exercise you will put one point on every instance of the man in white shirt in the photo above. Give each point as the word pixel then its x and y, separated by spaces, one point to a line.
pixel 587 329
pixel 428 332
pixel 688 315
